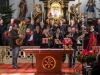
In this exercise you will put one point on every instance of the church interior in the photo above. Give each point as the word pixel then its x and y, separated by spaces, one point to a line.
pixel 49 37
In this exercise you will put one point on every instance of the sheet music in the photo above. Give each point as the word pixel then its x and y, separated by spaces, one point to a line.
pixel 57 41
pixel 67 40
pixel 44 40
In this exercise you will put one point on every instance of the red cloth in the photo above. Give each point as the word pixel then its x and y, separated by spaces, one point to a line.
pixel 92 42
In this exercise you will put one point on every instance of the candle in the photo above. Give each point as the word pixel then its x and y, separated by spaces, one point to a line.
pixel 64 42
pixel 31 16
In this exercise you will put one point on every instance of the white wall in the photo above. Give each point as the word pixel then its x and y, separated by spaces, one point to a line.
pixel 15 6
pixel 82 8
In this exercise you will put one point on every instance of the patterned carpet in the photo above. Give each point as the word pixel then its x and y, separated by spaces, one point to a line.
pixel 26 69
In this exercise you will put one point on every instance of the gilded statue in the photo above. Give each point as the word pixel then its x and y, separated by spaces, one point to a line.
pixel 74 11
pixel 23 9
pixel 37 9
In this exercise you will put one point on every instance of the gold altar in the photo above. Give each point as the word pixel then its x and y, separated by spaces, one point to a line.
pixel 56 10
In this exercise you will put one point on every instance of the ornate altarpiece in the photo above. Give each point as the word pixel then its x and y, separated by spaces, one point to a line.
pixel 56 10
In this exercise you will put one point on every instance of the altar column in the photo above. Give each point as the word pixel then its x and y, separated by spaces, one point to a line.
pixel 64 11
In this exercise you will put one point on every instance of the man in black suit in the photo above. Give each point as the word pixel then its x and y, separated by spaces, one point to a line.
pixel 97 29
pixel 15 48
pixel 62 27
pixel 42 26
pixel 80 23
pixel 32 25
pixel 52 26
pixel 96 67
pixel 72 24
pixel 9 26
pixel 73 37
pixel 2 30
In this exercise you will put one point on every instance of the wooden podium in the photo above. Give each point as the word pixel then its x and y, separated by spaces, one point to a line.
pixel 48 61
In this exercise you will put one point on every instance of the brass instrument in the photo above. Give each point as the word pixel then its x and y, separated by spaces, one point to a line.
pixel 50 36
pixel 22 31
pixel 80 37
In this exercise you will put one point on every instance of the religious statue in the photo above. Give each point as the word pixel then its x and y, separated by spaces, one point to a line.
pixel 23 9
pixel 74 11
pixel 37 9
pixel 90 8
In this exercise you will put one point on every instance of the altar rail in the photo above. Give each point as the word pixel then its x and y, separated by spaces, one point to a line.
pixel 7 52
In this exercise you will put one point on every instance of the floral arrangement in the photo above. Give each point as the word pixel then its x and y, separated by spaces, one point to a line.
pixel 86 56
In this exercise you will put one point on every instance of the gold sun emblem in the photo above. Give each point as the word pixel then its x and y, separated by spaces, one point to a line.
pixel 49 63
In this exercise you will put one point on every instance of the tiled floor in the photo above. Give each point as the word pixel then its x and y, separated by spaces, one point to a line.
pixel 26 69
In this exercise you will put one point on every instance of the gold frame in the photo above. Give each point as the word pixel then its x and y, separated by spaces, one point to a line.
pixel 47 58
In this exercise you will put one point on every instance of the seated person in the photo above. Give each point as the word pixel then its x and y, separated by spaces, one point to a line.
pixel 44 37
pixel 96 67
pixel 58 38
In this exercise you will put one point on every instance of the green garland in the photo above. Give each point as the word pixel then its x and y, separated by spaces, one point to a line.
pixel 86 58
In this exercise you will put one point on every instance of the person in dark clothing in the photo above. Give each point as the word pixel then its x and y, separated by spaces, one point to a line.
pixel 45 37
pixel 68 31
pixel 86 38
pixel 32 26
pixel 5 38
pixel 42 26
pixel 2 30
pixel 96 67
pixel 27 36
pixel 15 48
pixel 58 37
pixel 9 26
pixel 52 26
pixel 73 37
pixel 92 30
pixel 84 23
pixel 72 24
pixel 97 29
pixel 37 36
pixel 62 27
pixel 37 22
